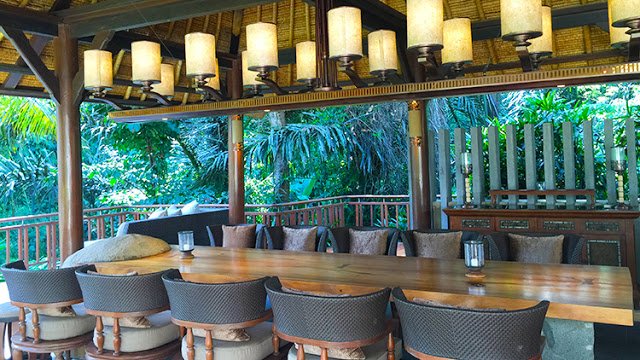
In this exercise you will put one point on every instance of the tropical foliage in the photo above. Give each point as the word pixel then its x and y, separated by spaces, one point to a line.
pixel 303 154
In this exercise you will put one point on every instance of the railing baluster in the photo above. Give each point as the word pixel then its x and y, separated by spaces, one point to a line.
pixel 8 244
pixel 37 243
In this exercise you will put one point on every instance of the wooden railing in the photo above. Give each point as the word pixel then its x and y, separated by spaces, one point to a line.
pixel 35 238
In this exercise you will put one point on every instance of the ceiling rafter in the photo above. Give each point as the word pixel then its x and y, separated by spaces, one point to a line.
pixel 33 60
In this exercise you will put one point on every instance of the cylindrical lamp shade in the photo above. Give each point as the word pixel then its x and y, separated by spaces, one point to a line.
pixel 145 62
pixel 306 60
pixel 166 86
pixel 98 69
pixel 458 44
pixel 262 46
pixel 425 20
pixel 617 35
pixel 214 82
pixel 383 54
pixel 520 17
pixel 345 32
pixel 622 11
pixel 544 44
pixel 200 53
pixel 248 76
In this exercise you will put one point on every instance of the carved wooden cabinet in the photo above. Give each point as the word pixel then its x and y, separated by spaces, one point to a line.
pixel 610 234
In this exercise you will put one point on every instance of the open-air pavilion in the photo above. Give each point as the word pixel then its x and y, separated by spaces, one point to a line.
pixel 552 251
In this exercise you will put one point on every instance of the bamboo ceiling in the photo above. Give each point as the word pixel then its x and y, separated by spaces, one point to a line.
pixel 296 22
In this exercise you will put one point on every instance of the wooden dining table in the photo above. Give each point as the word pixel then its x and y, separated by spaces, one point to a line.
pixel 594 294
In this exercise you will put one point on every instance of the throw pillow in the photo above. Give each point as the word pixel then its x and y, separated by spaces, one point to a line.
pixel 64 311
pixel 237 335
pixel 137 322
pixel 346 354
pixel 173 211
pixel 368 242
pixel 159 213
pixel 127 247
pixel 191 208
pixel 536 249
pixel 438 245
pixel 239 237
pixel 300 239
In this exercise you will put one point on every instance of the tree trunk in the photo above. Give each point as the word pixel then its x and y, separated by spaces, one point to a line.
pixel 280 165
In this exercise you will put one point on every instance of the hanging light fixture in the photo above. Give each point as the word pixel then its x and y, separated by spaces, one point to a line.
pixel 306 63
pixel 626 14
pixel 521 21
pixel 262 52
pixel 618 37
pixel 458 44
pixel 425 22
pixel 166 86
pixel 383 54
pixel 250 78
pixel 542 47
pixel 200 54
pixel 214 82
pixel 98 75
pixel 344 24
pixel 145 63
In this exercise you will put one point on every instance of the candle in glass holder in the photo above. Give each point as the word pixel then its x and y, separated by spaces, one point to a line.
pixel 474 257
pixel 617 154
pixel 185 243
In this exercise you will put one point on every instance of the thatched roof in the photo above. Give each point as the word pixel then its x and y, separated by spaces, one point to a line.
pixel 296 22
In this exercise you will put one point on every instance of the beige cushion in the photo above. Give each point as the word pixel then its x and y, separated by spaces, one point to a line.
pixel 161 332
pixel 377 351
pixel 127 247
pixel 537 250
pixel 138 322
pixel 238 237
pixel 59 328
pixel 64 311
pixel 300 239
pixel 438 245
pixel 345 354
pixel 191 208
pixel 237 335
pixel 159 213
pixel 258 348
pixel 174 211
pixel 368 242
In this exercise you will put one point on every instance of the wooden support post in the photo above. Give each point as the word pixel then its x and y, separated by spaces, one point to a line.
pixel 418 168
pixel 236 170
pixel 69 147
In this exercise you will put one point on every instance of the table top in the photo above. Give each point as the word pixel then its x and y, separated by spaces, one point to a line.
pixel 600 294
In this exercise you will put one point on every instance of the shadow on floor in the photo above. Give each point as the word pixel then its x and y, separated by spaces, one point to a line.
pixel 617 342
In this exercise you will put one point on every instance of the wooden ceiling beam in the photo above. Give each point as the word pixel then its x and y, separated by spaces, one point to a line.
pixel 46 77
pixel 119 15
pixel 27 20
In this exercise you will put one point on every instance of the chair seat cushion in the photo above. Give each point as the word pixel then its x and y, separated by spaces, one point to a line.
pixel 161 332
pixel 258 348
pixel 60 328
pixel 8 313
pixel 120 248
pixel 377 351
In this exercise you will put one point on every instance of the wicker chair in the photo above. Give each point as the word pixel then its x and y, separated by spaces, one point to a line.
pixel 40 290
pixel 438 332
pixel 574 247
pixel 272 237
pixel 128 296
pixel 238 305
pixel 492 251
pixel 340 239
pixel 332 322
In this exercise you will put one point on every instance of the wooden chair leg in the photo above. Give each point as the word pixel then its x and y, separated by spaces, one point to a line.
pixel 391 348
pixel 208 345
pixel 275 341
pixel 300 352
pixel 191 353
pixel 16 354
pixel 5 326
pixel 324 354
